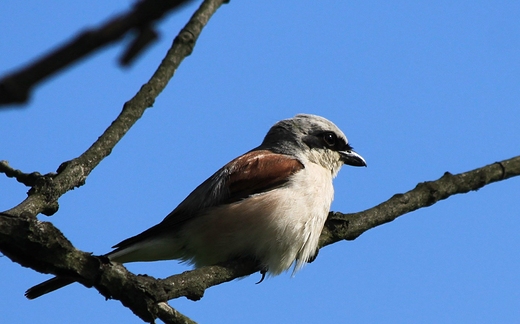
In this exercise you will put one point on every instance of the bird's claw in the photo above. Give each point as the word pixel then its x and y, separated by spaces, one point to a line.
pixel 263 272
pixel 313 257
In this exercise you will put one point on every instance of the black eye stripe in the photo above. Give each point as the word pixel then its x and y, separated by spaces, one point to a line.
pixel 334 142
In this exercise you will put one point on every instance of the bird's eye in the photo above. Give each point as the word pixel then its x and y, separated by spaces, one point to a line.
pixel 330 139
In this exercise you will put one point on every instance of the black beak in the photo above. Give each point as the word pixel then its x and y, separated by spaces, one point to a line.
pixel 352 158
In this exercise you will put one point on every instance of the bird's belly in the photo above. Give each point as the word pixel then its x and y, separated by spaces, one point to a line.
pixel 276 227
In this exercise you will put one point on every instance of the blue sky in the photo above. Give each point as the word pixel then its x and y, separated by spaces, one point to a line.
pixel 419 88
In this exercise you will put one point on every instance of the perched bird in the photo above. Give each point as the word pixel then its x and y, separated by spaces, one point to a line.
pixel 269 204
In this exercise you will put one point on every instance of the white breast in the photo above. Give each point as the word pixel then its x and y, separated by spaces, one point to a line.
pixel 277 228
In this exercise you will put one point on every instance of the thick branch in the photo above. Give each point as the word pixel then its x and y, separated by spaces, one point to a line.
pixel 16 87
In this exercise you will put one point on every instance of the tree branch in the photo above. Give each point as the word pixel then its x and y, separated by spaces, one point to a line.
pixel 40 246
pixel 349 226
pixel 16 87
pixel 170 316
pixel 43 196
pixel 28 179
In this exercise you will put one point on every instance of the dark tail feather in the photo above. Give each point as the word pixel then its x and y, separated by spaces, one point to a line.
pixel 47 287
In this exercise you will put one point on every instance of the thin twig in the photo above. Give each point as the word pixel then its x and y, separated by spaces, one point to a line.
pixel 72 174
pixel 28 179
pixel 349 226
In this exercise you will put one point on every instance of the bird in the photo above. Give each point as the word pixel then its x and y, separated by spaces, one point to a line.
pixel 269 204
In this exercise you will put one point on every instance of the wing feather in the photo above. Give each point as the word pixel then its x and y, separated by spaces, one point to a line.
pixel 252 173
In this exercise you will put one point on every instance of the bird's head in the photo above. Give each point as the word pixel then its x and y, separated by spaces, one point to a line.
pixel 315 139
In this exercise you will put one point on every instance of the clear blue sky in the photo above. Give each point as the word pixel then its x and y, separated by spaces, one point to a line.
pixel 419 88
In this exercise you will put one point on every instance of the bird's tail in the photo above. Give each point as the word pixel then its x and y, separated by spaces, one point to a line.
pixel 47 287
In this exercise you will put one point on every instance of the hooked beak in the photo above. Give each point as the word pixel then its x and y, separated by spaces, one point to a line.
pixel 352 158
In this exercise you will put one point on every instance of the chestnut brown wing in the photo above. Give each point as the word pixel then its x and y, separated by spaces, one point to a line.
pixel 252 173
